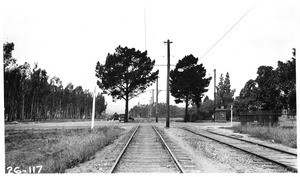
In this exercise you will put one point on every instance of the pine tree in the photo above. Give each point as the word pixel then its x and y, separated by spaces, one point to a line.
pixel 190 84
pixel 126 74
pixel 225 94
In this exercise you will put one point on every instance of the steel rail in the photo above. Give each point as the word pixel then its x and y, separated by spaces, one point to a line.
pixel 265 158
pixel 170 152
pixel 122 152
pixel 256 143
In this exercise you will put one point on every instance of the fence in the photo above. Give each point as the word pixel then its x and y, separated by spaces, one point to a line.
pixel 263 118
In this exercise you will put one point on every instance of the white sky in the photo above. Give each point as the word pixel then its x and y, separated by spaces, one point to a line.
pixel 68 37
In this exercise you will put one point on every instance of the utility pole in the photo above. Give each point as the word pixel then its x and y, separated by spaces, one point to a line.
pixel 151 102
pixel 149 108
pixel 215 88
pixel 214 93
pixel 168 91
pixel 156 104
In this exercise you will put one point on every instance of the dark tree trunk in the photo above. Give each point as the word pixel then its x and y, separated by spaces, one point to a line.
pixel 23 107
pixel 186 108
pixel 126 109
pixel 31 111
pixel 37 112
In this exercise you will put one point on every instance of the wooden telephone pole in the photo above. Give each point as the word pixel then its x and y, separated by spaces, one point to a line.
pixel 215 89
pixel 168 91
pixel 156 104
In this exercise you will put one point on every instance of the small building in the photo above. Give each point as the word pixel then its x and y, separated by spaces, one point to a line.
pixel 220 115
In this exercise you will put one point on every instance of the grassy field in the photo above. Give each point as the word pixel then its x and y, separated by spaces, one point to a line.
pixel 285 136
pixel 55 149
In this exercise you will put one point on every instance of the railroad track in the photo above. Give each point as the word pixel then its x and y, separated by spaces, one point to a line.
pixel 256 143
pixel 146 151
pixel 277 156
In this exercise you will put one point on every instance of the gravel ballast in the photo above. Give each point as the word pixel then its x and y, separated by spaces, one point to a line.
pixel 213 157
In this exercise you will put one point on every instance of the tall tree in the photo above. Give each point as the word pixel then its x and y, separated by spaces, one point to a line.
pixel 7 54
pixel 100 104
pixel 126 74
pixel 188 82
pixel 24 86
pixel 12 89
pixel 247 100
pixel 268 92
pixel 286 80
pixel 225 93
pixel 39 87
pixel 12 84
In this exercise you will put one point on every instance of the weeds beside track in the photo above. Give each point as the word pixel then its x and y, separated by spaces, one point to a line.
pixel 55 149
pixel 287 137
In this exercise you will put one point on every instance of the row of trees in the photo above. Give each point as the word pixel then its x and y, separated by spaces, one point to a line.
pixel 128 72
pixel 273 89
pixel 29 94
pixel 146 111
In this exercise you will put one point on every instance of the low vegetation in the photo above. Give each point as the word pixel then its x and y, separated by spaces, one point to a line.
pixel 56 149
pixel 285 136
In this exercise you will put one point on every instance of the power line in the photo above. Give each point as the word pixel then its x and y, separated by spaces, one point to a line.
pixel 227 32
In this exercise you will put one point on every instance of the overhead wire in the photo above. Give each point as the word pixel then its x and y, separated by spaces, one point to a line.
pixel 226 32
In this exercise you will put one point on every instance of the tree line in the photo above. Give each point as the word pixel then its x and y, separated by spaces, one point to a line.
pixel 146 110
pixel 30 95
pixel 128 72
pixel 273 88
